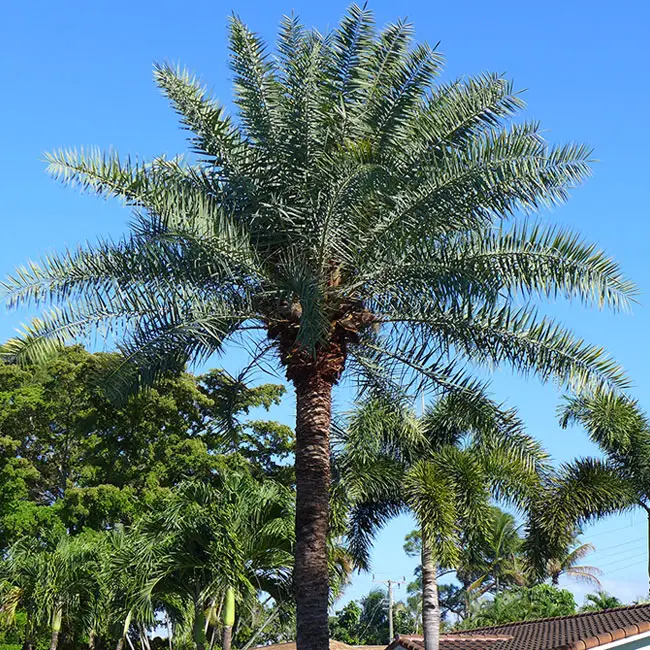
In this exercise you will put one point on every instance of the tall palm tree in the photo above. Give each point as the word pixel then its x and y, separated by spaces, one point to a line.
pixel 353 214
pixel 568 564
pixel 445 468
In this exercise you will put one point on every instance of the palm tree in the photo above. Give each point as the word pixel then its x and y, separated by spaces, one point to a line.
pixel 568 564
pixel 496 559
pixel 599 601
pixel 445 468
pixel 354 215
pixel 50 583
pixel 622 431
pixel 208 547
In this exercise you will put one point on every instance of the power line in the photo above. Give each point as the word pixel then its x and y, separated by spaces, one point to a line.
pixel 626 551
pixel 629 566
pixel 612 530
pixel 629 541
pixel 625 559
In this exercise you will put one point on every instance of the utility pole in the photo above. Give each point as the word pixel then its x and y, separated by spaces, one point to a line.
pixel 390 584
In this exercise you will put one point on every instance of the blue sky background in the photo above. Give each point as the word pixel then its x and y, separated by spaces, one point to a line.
pixel 79 73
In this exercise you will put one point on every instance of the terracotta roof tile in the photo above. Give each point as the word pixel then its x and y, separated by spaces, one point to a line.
pixel 579 632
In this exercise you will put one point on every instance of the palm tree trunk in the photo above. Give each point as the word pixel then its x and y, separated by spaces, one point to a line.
pixel 228 619
pixel 198 631
pixel 28 643
pixel 430 605
pixel 56 626
pixel 120 644
pixel 648 515
pixel 92 640
pixel 226 637
pixel 311 576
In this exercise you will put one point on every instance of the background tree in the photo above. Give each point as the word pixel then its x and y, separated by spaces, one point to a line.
pixel 568 564
pixel 352 214
pixel 365 622
pixel 71 460
pixel 445 467
pixel 622 431
pixel 522 604
pixel 599 601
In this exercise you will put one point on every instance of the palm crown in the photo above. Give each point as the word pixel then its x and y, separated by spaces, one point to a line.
pixel 354 214
pixel 350 193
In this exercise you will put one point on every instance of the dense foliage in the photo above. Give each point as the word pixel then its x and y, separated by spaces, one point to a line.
pixel 95 498
pixel 522 604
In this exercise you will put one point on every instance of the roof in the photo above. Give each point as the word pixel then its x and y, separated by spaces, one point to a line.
pixel 578 632
pixel 334 645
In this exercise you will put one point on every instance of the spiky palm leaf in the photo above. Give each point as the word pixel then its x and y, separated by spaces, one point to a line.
pixel 622 431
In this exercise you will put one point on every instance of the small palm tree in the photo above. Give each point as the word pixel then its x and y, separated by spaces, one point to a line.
pixel 445 468
pixel 210 545
pixel 622 431
pixel 569 565
pixel 497 557
pixel 599 601
pixel 353 215
pixel 50 583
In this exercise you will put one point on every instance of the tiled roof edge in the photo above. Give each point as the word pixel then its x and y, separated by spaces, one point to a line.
pixel 550 618
pixel 607 637
pixel 405 642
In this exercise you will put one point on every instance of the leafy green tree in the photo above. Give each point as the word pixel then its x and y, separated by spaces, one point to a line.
pixel 345 625
pixel 599 601
pixel 445 467
pixel 70 459
pixel 352 214
pixel 522 604
pixel 366 622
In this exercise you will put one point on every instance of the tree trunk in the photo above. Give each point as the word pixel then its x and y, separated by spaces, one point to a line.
pixel 648 514
pixel 226 637
pixel 199 627
pixel 311 576
pixel 228 619
pixel 56 626
pixel 430 605
pixel 92 640
pixel 120 644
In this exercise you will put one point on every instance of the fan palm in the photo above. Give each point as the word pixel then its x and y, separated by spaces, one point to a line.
pixel 353 214
pixel 445 468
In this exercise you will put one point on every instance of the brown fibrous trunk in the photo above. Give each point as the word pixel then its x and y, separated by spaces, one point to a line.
pixel 311 576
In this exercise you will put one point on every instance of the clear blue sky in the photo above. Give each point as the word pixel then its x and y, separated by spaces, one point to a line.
pixel 79 73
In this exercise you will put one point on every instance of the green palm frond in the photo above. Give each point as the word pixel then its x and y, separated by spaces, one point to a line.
pixel 350 203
